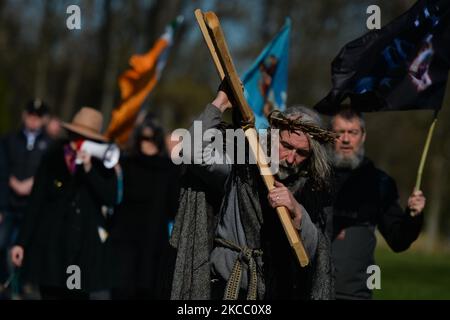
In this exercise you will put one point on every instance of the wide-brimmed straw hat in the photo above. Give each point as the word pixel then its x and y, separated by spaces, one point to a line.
pixel 88 123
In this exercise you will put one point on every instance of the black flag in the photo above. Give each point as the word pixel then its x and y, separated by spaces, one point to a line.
pixel 402 66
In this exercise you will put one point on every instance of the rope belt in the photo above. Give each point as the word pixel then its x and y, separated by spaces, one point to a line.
pixel 246 256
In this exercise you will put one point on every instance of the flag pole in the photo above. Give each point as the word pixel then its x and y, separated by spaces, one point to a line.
pixel 429 137
pixel 423 159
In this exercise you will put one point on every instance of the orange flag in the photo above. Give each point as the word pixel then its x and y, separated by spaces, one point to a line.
pixel 136 83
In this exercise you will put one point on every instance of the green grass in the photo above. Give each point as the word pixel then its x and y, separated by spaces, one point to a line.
pixel 413 275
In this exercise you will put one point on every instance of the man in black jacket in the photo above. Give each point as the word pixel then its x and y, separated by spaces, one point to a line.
pixel 366 198
pixel 22 151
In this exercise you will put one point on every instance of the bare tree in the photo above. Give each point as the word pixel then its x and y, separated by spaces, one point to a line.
pixel 43 54
pixel 110 60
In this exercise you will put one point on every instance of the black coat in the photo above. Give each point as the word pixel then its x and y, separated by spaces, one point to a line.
pixel 61 224
pixel 140 224
pixel 23 162
pixel 367 198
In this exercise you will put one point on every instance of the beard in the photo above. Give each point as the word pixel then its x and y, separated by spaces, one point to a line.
pixel 291 175
pixel 287 170
pixel 347 162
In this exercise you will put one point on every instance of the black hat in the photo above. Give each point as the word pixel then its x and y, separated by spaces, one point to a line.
pixel 37 107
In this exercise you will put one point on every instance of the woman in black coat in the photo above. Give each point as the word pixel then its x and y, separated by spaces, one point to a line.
pixel 63 234
pixel 139 236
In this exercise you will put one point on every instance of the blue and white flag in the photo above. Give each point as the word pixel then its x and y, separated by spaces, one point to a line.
pixel 265 83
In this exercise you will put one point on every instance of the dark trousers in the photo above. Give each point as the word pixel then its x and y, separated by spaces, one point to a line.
pixel 55 293
pixel 132 294
pixel 6 232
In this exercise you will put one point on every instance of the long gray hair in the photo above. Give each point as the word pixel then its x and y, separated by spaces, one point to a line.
pixel 319 163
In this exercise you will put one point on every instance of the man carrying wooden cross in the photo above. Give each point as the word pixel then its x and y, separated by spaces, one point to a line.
pixel 230 241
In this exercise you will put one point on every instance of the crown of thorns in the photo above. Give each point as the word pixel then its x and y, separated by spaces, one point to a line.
pixel 278 120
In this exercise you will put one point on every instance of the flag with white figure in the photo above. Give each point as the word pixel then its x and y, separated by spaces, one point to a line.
pixel 265 83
